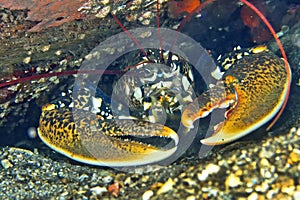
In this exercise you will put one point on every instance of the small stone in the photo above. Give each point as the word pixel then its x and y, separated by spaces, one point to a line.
pixel 88 56
pixel 272 193
pixel 262 188
pixel 167 186
pixel 63 195
pixel 288 190
pixel 212 168
pixel 6 164
pixel 147 195
pixel 265 153
pixel 145 34
pixel 105 2
pixel 27 60
pixel 265 173
pixel 232 181
pixel 98 190
pixel 190 181
pixel 83 177
pixel 107 179
pixel 239 172
pixel 58 52
pixel 253 196
pixel 296 195
pixel 127 181
pixel 203 176
pixel 191 198
pixel 294 156
pixel 114 189
pixel 46 48
pixel 145 22
pixel 298 132
pixel 20 178
pixel 249 190
pixel 264 162
pixel 103 12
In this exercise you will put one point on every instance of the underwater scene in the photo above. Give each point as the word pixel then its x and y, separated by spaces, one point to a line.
pixel 168 99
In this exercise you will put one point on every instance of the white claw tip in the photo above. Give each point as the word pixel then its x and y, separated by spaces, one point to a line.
pixel 188 124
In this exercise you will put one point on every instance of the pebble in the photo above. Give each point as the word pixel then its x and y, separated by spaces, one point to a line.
pixel 147 195
pixel 190 181
pixel 107 179
pixel 264 153
pixel 288 189
pixel 294 156
pixel 264 172
pixel 264 162
pixel 212 168
pixel 27 60
pixel 98 190
pixel 232 181
pixel 271 193
pixel 191 198
pixel 6 163
pixel 167 186
pixel 46 48
pixel 83 177
pixel 127 181
pixel 296 195
pixel 103 12
pixel 203 176
pixel 209 169
pixel 262 188
pixel 32 132
pixel 253 196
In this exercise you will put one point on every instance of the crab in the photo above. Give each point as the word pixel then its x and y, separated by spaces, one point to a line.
pixel 253 88
pixel 86 129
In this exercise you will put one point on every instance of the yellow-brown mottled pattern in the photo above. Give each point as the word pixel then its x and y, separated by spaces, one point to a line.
pixel 254 87
pixel 259 82
pixel 57 127
pixel 92 139
pixel 209 100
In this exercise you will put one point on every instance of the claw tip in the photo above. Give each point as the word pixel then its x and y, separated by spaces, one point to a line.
pixel 187 123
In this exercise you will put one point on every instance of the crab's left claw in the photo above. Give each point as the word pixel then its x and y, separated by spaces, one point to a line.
pixel 261 85
pixel 219 96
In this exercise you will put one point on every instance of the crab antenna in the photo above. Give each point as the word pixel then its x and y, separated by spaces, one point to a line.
pixel 130 35
pixel 158 29
pixel 65 73
pixel 263 18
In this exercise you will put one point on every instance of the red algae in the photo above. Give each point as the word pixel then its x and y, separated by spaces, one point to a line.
pixel 184 6
pixel 259 31
pixel 48 13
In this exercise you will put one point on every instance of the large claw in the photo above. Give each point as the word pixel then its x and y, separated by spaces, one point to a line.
pixel 261 86
pixel 218 96
pixel 88 140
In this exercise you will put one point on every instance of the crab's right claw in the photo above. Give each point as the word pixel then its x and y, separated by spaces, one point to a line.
pixel 114 142
pixel 129 152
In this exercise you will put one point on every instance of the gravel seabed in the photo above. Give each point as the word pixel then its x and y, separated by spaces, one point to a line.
pixel 267 169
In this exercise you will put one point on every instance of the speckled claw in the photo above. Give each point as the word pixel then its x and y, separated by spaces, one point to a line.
pixel 260 83
pixel 218 96
pixel 88 140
